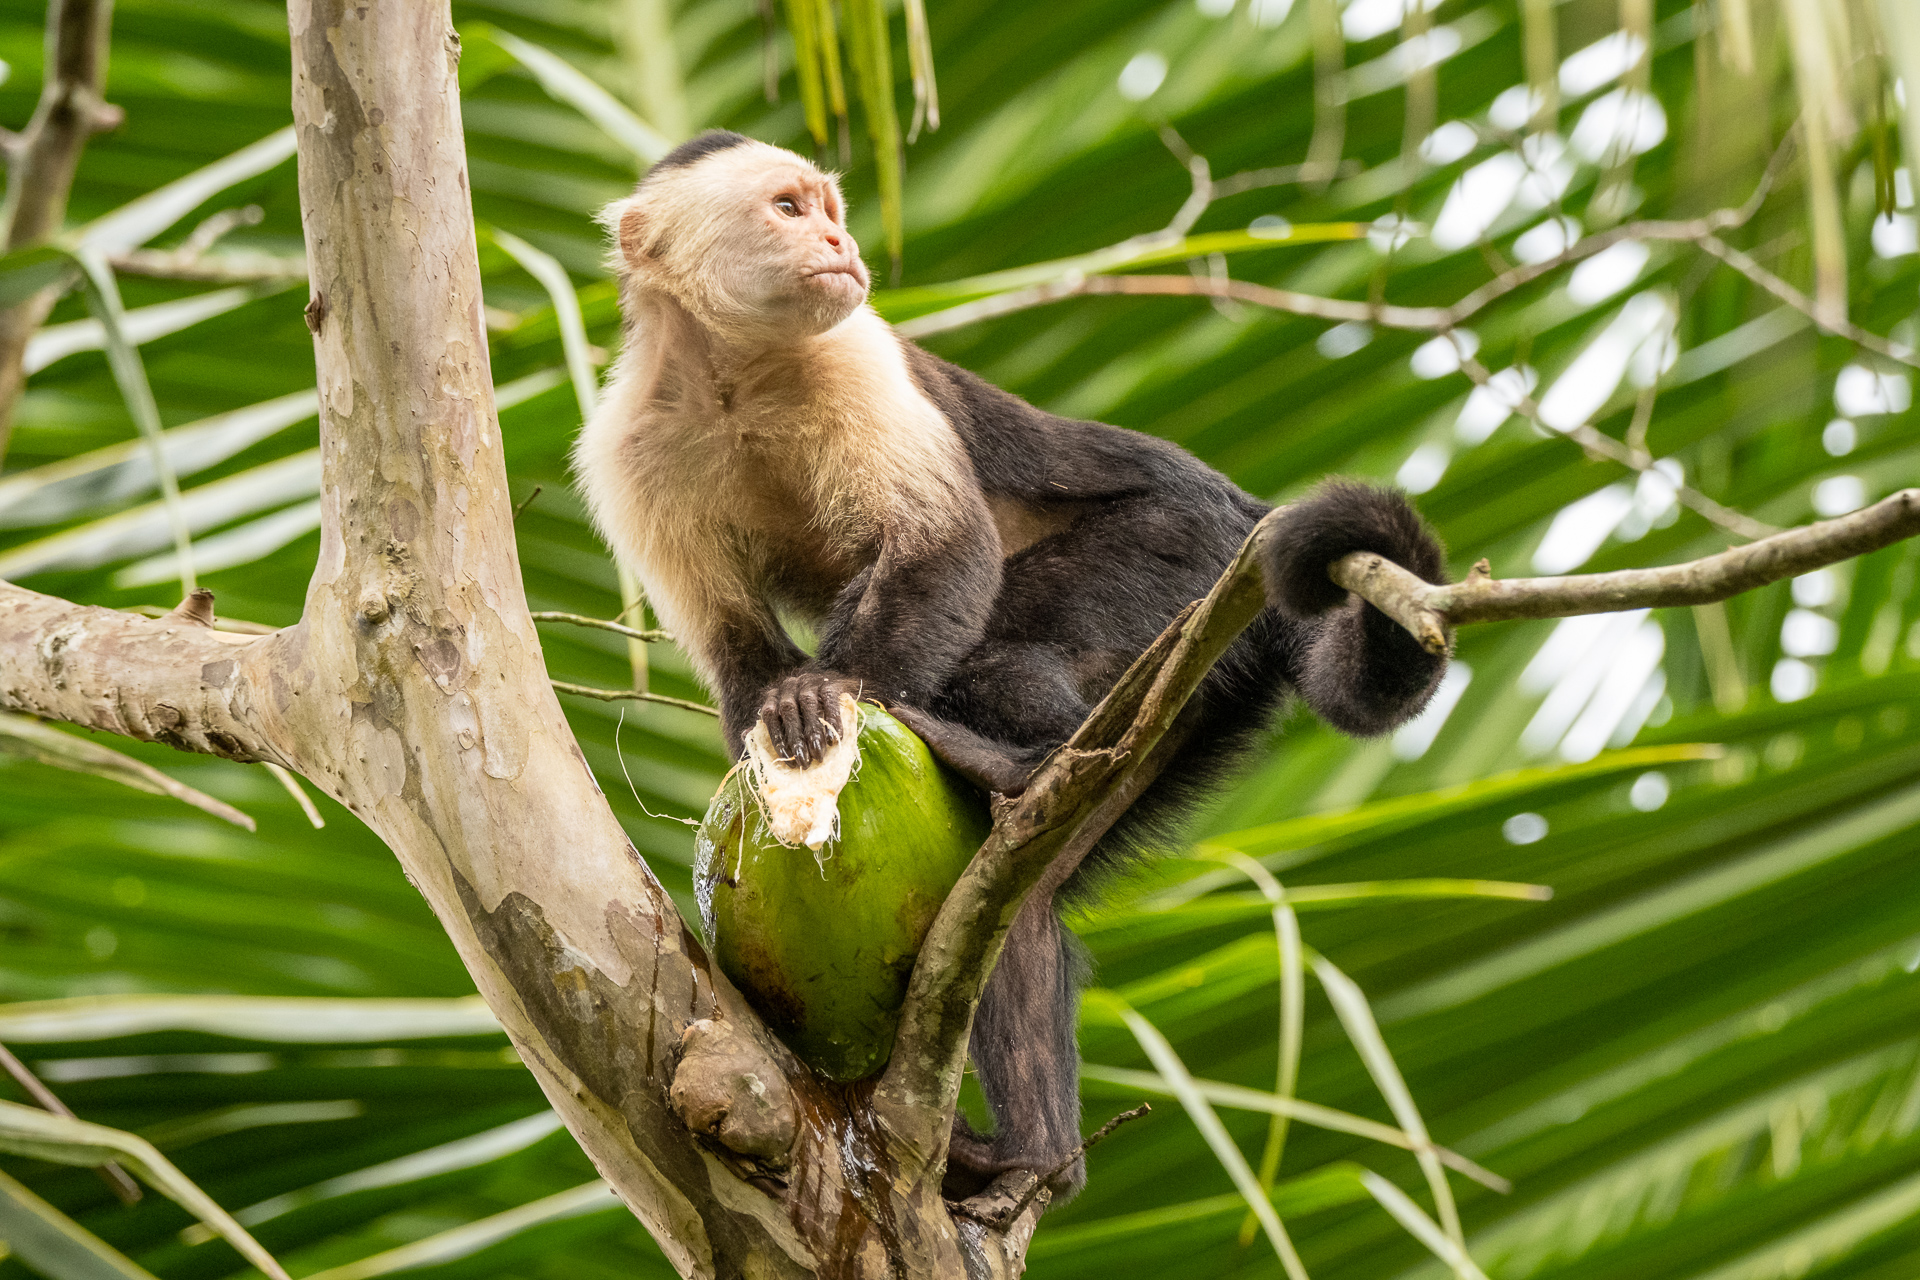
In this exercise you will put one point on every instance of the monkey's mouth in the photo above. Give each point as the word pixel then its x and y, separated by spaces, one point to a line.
pixel 827 275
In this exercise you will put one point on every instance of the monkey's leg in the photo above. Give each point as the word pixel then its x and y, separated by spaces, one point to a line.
pixel 1010 703
pixel 1024 1053
pixel 989 765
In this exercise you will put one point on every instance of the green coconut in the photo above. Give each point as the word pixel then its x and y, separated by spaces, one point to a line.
pixel 823 944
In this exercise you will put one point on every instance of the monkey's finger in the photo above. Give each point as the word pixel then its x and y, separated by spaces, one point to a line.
pixel 789 740
pixel 812 726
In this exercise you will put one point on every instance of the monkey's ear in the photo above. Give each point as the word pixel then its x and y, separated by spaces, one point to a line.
pixel 632 231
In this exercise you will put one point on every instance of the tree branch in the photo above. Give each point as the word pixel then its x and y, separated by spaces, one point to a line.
pixel 1038 839
pixel 1598 444
pixel 171 679
pixel 1746 266
pixel 41 161
pixel 1430 612
pixel 631 695
pixel 600 624
pixel 1703 232
pixel 194 258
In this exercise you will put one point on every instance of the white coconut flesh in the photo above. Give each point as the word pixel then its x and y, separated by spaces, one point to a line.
pixel 801 805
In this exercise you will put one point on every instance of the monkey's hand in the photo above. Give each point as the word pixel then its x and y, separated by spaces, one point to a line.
pixel 802 714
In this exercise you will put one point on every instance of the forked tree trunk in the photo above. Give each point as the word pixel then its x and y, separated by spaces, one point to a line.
pixel 413 691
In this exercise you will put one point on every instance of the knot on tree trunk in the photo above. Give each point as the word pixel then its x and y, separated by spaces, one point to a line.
pixel 729 1087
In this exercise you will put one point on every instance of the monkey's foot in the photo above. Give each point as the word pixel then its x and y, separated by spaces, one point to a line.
pixel 970 1162
pixel 981 761
pixel 1004 1199
pixel 978 1173
pixel 802 714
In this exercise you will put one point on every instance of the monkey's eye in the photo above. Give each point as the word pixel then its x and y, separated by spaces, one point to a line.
pixel 787 205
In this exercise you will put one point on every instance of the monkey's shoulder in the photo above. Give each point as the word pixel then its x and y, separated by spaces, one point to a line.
pixel 1022 452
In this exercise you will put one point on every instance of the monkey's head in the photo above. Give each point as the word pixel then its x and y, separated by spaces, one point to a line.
pixel 751 239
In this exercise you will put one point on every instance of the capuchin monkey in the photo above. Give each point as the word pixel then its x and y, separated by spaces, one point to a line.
pixel 769 447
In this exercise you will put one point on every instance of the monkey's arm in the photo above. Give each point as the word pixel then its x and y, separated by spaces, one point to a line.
pixel 896 632
pixel 747 651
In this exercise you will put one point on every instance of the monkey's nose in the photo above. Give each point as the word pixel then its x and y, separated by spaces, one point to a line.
pixel 833 240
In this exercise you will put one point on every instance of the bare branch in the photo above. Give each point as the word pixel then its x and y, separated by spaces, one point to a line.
pixel 1002 1203
pixel 163 679
pixel 1075 286
pixel 1285 175
pixel 1600 445
pixel 1313 306
pixel 1799 301
pixel 215 226
pixel 1430 612
pixel 194 259
pixel 41 161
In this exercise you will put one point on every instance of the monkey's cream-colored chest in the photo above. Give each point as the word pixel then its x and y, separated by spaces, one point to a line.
pixel 778 485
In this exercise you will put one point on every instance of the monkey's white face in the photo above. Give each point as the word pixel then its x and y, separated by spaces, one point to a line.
pixel 752 240
pixel 803 270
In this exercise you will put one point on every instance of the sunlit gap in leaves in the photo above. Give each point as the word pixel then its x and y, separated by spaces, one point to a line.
pixel 1602 679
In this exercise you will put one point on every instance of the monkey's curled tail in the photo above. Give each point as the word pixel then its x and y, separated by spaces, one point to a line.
pixel 1358 669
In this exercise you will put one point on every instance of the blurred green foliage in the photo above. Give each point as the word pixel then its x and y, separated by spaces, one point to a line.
pixel 1700 1058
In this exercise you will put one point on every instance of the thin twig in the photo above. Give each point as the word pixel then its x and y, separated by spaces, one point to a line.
pixel 1314 306
pixel 1284 175
pixel 1076 285
pixel 194 259
pixel 285 778
pixel 998 1208
pixel 528 501
pixel 631 695
pixel 1703 231
pixel 213 228
pixel 1020 1205
pixel 600 624
pixel 1642 419
pixel 1429 612
pixel 235 266
pixel 1799 301
pixel 116 1178
pixel 1598 444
